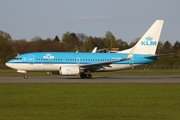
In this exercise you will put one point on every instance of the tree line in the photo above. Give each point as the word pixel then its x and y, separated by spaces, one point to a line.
pixel 71 42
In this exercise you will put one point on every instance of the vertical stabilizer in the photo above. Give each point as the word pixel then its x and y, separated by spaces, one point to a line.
pixel 148 43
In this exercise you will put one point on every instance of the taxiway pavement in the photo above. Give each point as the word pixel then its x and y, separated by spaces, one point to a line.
pixel 95 79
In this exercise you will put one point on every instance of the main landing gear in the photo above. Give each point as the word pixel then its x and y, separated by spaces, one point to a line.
pixel 83 75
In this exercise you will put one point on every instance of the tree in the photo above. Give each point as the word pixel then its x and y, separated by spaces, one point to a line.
pixel 19 46
pixel 5 49
pixel 134 42
pixel 57 46
pixel 168 47
pixel 98 42
pixel 71 41
pixel 176 47
pixel 160 48
pixel 35 45
pixel 88 44
pixel 122 44
pixel 109 40
pixel 56 39
pixel 81 37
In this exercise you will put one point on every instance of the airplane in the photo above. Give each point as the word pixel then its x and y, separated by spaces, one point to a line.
pixel 83 64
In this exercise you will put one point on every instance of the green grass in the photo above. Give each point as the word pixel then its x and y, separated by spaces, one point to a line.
pixel 89 101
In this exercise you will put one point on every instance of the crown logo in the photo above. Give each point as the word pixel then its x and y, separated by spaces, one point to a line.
pixel 48 56
pixel 149 38
pixel 68 70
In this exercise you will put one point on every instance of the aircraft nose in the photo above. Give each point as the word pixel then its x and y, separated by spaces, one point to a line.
pixel 8 63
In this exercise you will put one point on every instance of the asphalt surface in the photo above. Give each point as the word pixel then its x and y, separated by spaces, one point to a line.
pixel 95 79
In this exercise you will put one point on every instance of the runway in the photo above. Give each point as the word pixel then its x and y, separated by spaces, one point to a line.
pixel 96 79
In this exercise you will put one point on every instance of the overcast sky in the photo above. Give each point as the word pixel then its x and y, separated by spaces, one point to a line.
pixel 126 19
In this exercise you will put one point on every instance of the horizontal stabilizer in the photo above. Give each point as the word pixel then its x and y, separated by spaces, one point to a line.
pixel 159 55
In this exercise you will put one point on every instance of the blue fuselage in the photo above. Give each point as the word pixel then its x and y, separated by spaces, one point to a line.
pixel 70 58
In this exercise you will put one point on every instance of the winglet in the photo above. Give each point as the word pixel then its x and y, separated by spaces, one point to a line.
pixel 94 50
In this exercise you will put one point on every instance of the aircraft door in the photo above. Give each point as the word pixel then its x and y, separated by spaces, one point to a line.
pixel 78 60
pixel 131 62
pixel 31 59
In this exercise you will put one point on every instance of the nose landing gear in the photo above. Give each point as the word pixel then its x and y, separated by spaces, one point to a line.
pixel 25 76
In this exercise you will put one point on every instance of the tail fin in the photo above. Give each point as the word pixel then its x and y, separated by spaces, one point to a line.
pixel 148 43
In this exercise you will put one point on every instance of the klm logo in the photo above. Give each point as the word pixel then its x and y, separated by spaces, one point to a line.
pixel 68 70
pixel 48 56
pixel 149 42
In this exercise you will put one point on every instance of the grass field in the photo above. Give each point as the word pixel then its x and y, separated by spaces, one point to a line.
pixel 89 101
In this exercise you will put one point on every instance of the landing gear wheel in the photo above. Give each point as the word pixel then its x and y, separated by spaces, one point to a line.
pixel 25 76
pixel 83 75
pixel 89 76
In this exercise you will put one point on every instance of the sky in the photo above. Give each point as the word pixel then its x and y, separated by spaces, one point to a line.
pixel 126 19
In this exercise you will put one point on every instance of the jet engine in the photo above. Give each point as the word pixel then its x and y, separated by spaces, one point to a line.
pixel 67 70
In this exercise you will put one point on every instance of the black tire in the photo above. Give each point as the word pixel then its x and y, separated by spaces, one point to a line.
pixel 89 76
pixel 83 75
pixel 25 76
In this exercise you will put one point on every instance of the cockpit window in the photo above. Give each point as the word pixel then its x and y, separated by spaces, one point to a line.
pixel 18 58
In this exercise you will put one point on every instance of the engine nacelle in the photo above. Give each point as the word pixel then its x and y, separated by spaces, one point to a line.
pixel 69 70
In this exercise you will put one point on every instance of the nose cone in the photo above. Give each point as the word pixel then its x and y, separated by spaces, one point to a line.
pixel 9 64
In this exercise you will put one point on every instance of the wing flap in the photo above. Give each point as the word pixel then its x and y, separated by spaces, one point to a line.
pixel 101 64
